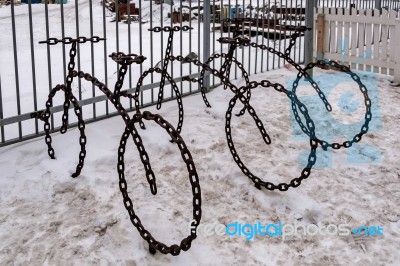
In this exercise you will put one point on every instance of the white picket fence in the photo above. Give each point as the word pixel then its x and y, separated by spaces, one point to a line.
pixel 363 39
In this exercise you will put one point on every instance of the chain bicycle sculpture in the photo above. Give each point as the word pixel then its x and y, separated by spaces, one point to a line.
pixel 124 61
pixel 308 129
pixel 243 94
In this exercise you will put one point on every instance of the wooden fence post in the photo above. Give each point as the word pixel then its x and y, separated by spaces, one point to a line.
pixel 320 36
pixel 309 35
pixel 397 55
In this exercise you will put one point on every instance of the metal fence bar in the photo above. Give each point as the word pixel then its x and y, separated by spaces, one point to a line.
pixel 78 49
pixel 204 48
pixel 35 106
pixel 151 49
pixel 180 46
pixel 198 30
pixel 263 39
pixel 206 37
pixel 128 12
pixel 172 48
pixel 46 8
pixel 92 53
pixel 63 35
pixel 1 114
pixel 14 37
pixel 105 51
pixel 190 40
pixel 308 35
pixel 141 47
pixel 87 121
pixel 84 102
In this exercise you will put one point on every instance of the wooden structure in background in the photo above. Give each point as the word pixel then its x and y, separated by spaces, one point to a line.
pixel 363 39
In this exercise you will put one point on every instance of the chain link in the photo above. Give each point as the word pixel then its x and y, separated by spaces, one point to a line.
pixel 174 87
pixel 165 69
pixel 169 29
pixel 367 102
pixel 125 60
pixel 243 94
pixel 69 40
pixel 193 178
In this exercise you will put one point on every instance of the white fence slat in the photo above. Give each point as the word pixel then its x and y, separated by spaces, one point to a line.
pixel 376 41
pixel 366 61
pixel 339 32
pixel 326 35
pixel 384 48
pixel 346 44
pixel 332 31
pixel 359 19
pixel 396 38
pixel 365 39
pixel 354 34
pixel 368 37
pixel 361 39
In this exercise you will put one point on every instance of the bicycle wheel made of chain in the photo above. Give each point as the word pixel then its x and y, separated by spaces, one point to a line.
pixel 193 177
pixel 81 127
pixel 175 88
pixel 257 181
pixel 367 101
pixel 301 71
pixel 238 64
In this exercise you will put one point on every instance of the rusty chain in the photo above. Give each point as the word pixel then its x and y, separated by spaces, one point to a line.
pixel 305 173
pixel 309 129
pixel 124 61
pixel 243 94
pixel 193 178
pixel 368 115
pixel 174 86
pixel 69 40
pixel 71 66
pixel 165 69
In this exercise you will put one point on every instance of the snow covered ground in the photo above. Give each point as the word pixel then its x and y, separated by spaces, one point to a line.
pixel 48 218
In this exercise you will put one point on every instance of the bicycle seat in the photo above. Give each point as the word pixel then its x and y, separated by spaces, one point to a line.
pixel 127 59
pixel 237 40
pixel 296 28
pixel 238 20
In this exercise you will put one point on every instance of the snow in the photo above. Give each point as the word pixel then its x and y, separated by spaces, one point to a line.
pixel 49 218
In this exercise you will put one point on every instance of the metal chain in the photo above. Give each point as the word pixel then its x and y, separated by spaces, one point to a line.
pixel 127 59
pixel 368 115
pixel 243 94
pixel 81 126
pixel 124 61
pixel 298 68
pixel 169 29
pixel 193 178
pixel 69 40
pixel 233 88
pixel 313 143
pixel 175 88
pixel 71 66
pixel 226 67
pixel 202 73
pixel 165 69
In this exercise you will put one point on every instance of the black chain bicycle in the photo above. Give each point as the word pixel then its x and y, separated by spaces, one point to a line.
pixel 308 128
pixel 114 97
pixel 164 76
pixel 243 94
